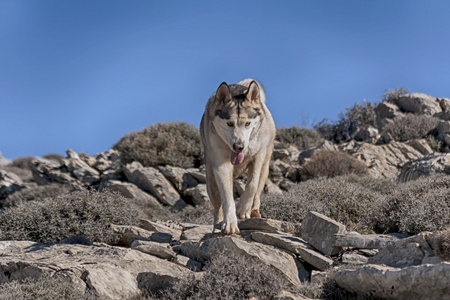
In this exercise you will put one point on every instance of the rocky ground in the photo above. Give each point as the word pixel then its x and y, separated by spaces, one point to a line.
pixel 157 254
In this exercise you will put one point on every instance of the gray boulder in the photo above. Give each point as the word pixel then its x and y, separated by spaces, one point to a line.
pixel 9 183
pixel 197 195
pixel 279 260
pixel 382 161
pixel 406 252
pixel 419 104
pixel 425 166
pixel 110 272
pixel 47 171
pixel 130 191
pixel 384 112
pixel 428 281
pixel 80 169
pixel 179 177
pixel 320 231
pixel 160 250
pixel 153 181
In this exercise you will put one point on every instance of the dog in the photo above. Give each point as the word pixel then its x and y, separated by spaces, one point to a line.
pixel 237 131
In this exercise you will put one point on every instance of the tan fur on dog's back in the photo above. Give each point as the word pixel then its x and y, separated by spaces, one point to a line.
pixel 237 132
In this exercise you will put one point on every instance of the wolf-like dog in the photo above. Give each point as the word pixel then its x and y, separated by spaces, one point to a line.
pixel 237 132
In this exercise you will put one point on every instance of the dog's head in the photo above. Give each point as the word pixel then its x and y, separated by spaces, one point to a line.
pixel 238 112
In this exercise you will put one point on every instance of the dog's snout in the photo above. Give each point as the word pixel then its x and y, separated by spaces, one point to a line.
pixel 238 147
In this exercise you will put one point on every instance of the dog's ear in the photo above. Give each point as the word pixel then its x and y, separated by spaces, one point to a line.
pixel 253 92
pixel 223 94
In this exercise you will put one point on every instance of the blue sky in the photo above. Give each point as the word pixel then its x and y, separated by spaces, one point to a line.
pixel 81 74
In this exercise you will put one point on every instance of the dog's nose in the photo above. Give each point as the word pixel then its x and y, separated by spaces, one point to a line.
pixel 238 147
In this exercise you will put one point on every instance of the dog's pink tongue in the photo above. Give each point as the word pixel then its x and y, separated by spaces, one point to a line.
pixel 237 158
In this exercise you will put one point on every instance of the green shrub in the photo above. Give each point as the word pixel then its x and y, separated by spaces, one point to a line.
pixel 351 200
pixel 303 138
pixel 81 213
pixel 229 277
pixel 419 205
pixel 174 143
pixel 44 288
pixel 410 127
pixel 326 163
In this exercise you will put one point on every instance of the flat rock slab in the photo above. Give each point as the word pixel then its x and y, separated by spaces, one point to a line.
pixel 315 259
pixel 406 252
pixel 130 233
pixel 131 191
pixel 157 227
pixel 279 260
pixel 371 241
pixel 354 259
pixel 320 231
pixel 269 225
pixel 111 272
pixel 195 232
pixel 428 281
pixel 284 241
pixel 160 250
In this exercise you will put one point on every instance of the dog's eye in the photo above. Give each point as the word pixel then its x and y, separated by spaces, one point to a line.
pixel 247 124
pixel 231 124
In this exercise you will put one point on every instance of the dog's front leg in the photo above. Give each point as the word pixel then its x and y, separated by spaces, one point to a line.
pixel 224 178
pixel 244 206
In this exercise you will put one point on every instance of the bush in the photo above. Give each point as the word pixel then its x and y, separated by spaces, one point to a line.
pixel 229 277
pixel 176 144
pixel 327 163
pixel 392 96
pixel 360 116
pixel 81 213
pixel 410 127
pixel 419 205
pixel 302 138
pixel 352 200
pixel 21 167
pixel 54 157
pixel 44 288
pixel 37 193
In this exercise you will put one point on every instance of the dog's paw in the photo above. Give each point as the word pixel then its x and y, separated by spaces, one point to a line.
pixel 230 227
pixel 243 212
pixel 244 215
pixel 255 213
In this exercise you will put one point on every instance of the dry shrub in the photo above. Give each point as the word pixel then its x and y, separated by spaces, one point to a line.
pixel 229 277
pixel 360 116
pixel 442 244
pixel 327 163
pixel 419 205
pixel 354 201
pixel 303 138
pixel 392 96
pixel 173 143
pixel 53 156
pixel 410 126
pixel 43 288
pixel 82 213
pixel 21 167
pixel 36 193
